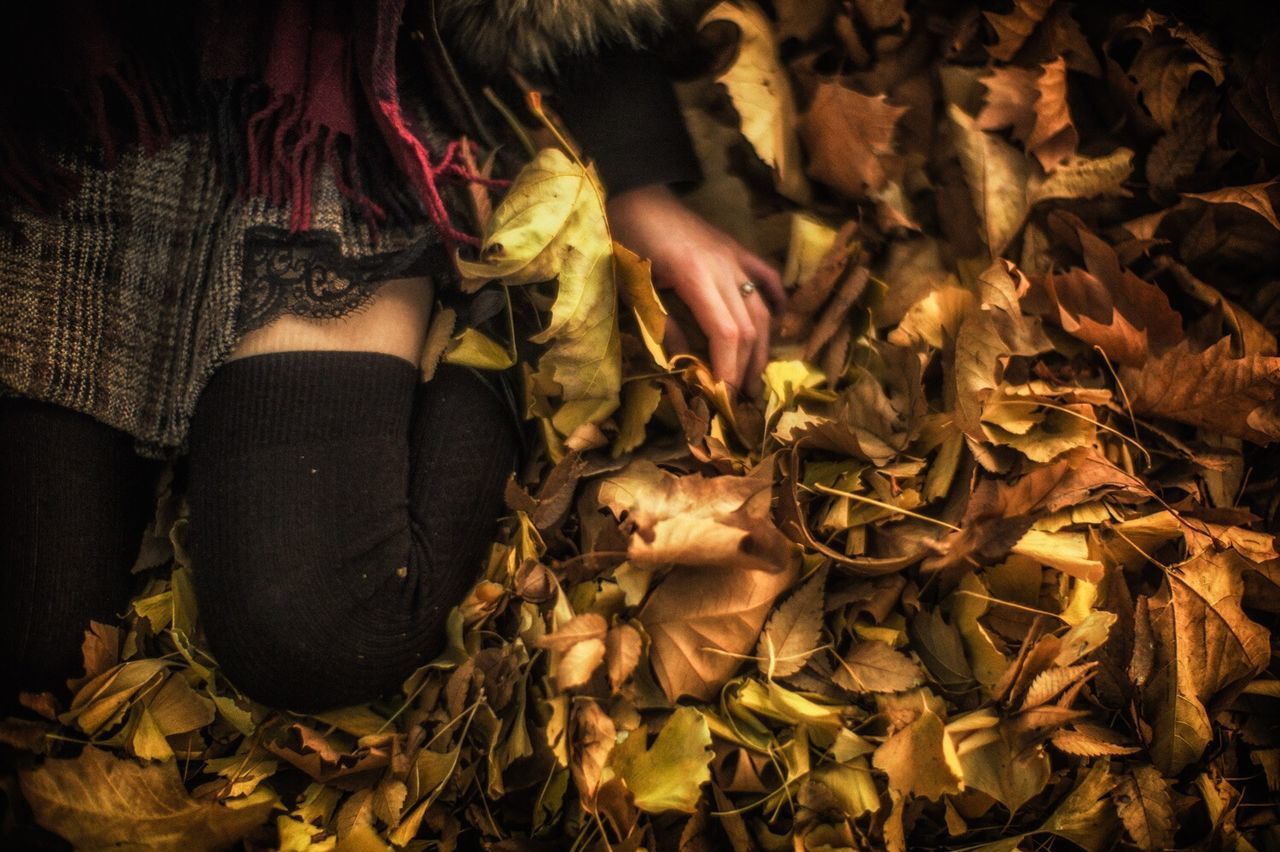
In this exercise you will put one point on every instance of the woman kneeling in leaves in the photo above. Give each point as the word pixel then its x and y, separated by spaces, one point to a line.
pixel 222 230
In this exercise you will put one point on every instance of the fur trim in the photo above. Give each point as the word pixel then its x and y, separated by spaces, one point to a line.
pixel 531 35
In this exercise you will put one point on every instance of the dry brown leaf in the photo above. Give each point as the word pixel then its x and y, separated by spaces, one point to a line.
pixel 874 666
pixel 849 137
pixel 579 663
pixel 791 634
pixel 1204 644
pixel 1239 397
pixel 98 801
pixel 580 628
pixel 1052 681
pixel 1110 307
pixel 702 620
pixel 593 737
pixel 997 176
pixel 1085 740
pixel 622 652
pixel 1169 56
pixel 1033 103
pixel 1141 797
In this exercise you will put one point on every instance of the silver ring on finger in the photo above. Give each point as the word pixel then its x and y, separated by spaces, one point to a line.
pixel 746 288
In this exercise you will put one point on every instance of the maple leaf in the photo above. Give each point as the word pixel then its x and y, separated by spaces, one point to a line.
pixel 849 137
pixel 1169 55
pixel 1110 307
pixel 1210 388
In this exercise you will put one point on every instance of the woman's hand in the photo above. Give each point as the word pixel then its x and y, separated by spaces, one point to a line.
pixel 706 268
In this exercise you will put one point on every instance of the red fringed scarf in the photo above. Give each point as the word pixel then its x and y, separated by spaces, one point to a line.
pixel 302 84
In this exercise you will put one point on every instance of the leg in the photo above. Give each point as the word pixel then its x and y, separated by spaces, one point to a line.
pixel 74 499
pixel 339 509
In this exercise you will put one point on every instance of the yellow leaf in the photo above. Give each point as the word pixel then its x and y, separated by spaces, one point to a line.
pixel 667 776
pixel 551 224
pixel 472 348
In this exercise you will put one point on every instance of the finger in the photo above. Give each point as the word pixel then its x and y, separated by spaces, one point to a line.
pixel 764 276
pixel 736 301
pixel 760 351
pixel 709 309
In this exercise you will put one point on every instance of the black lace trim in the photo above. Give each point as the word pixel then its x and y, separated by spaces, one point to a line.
pixel 307 275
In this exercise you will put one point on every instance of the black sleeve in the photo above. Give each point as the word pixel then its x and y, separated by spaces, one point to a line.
pixel 621 108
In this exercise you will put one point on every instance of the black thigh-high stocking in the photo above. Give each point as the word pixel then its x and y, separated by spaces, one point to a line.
pixel 74 501
pixel 339 509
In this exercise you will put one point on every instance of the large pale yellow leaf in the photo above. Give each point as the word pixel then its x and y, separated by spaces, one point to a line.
pixel 702 620
pixel 98 801
pixel 551 224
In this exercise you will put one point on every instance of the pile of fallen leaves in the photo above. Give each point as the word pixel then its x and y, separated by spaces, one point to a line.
pixel 991 566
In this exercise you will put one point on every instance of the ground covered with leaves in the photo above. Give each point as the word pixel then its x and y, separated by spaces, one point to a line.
pixel 990 566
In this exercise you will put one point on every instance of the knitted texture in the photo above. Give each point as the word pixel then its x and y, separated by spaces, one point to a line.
pixel 74 501
pixel 339 509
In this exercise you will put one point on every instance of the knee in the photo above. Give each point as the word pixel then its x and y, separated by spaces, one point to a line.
pixel 313 645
